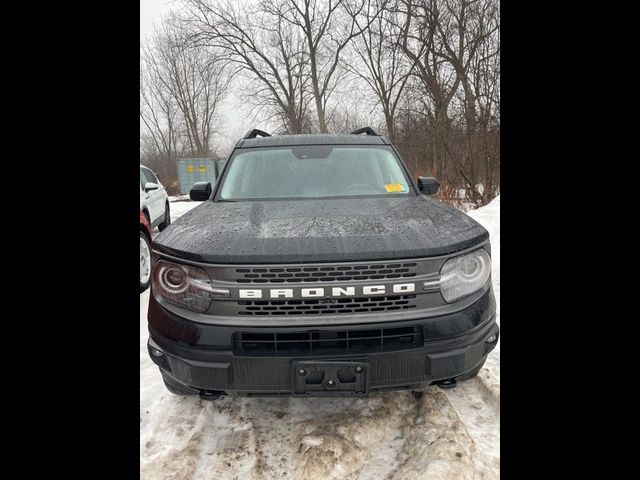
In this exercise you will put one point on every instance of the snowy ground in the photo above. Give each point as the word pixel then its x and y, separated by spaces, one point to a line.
pixel 434 434
pixel 181 205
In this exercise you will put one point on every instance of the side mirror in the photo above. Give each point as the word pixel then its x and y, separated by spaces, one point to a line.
pixel 150 186
pixel 200 191
pixel 428 185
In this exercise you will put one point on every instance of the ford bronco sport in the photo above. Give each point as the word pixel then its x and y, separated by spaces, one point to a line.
pixel 316 266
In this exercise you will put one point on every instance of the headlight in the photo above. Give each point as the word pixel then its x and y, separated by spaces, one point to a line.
pixel 463 275
pixel 183 285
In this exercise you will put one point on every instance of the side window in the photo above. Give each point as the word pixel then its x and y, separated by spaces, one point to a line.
pixel 150 175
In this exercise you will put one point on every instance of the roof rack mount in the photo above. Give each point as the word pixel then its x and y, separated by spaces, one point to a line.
pixel 255 133
pixel 367 130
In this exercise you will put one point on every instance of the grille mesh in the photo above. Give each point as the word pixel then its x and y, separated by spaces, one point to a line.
pixel 323 342
pixel 339 306
pixel 329 273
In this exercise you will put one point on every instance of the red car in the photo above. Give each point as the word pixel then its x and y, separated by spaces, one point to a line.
pixel 145 252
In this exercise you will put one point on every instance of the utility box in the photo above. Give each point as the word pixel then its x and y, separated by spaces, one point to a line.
pixel 192 170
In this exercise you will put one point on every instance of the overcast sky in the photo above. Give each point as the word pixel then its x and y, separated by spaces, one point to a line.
pixel 151 11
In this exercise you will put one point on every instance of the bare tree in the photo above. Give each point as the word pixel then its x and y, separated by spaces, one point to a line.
pixel 464 29
pixel 328 27
pixel 429 68
pixel 483 77
pixel 386 70
pixel 261 45
pixel 443 38
pixel 419 41
pixel 194 77
pixel 158 109
pixel 181 87
pixel 468 27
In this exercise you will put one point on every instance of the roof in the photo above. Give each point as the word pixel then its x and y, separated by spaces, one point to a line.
pixel 311 139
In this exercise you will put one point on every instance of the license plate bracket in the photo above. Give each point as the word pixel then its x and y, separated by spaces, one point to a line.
pixel 330 378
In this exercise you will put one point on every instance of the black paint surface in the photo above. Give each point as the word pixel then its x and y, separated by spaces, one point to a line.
pixel 334 230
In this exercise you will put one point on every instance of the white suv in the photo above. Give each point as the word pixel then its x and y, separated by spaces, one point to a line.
pixel 154 201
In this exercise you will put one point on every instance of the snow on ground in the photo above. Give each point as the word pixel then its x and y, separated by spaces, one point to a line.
pixel 478 400
pixel 432 434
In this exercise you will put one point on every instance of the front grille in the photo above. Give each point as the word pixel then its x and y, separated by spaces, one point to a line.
pixel 321 342
pixel 329 273
pixel 337 306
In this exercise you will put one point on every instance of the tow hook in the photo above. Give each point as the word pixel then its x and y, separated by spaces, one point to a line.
pixel 209 395
pixel 447 384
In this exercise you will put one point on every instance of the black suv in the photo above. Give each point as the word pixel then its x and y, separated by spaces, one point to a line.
pixel 316 266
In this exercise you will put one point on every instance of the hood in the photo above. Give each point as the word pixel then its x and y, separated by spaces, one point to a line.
pixel 332 230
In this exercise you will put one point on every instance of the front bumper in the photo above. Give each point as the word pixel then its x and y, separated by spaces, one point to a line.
pixel 447 356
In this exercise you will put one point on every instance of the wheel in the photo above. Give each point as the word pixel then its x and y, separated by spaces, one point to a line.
pixel 472 373
pixel 145 262
pixel 167 218
pixel 174 387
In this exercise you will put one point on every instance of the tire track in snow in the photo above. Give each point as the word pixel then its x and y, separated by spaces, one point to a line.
pixel 438 444
pixel 311 437
pixel 170 448
pixel 228 441
pixel 360 439
pixel 477 403
pixel 392 435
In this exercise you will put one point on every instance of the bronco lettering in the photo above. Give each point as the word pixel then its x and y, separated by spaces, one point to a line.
pixel 322 292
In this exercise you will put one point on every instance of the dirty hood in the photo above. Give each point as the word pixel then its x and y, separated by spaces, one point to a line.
pixel 297 231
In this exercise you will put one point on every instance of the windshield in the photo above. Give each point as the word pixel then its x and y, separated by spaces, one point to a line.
pixel 317 171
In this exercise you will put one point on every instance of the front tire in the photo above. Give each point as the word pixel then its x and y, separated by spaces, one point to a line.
pixel 145 262
pixel 167 218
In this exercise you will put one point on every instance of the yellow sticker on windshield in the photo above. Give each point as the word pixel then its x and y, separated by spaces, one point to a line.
pixel 394 187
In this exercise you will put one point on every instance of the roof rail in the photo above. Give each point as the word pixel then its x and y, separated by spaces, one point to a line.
pixel 367 130
pixel 255 133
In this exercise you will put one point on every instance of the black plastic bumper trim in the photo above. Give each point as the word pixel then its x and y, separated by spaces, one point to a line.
pixel 437 360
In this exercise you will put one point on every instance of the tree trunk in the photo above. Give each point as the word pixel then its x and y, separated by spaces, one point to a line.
pixel 318 98
pixel 391 130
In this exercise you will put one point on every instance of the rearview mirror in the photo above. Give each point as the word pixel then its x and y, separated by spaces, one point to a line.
pixel 150 186
pixel 428 185
pixel 200 191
